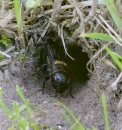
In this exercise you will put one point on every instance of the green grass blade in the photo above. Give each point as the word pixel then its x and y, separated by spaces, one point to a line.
pixel 67 118
pixel 23 124
pixel 0 93
pixel 116 60
pixel 105 112
pixel 114 12
pixel 28 110
pixel 93 128
pixel 32 125
pixel 117 55
pixel 32 3
pixel 5 109
pixel 100 36
pixel 71 114
pixel 17 8
pixel 16 110
pixel 21 95
pixel 37 108
pixel 20 109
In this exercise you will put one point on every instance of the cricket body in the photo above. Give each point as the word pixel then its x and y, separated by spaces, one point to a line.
pixel 56 70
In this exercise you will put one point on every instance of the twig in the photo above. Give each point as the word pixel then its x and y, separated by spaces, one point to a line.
pixel 2 9
pixel 44 32
pixel 114 84
pixel 94 56
pixel 98 26
pixel 3 53
pixel 5 62
pixel 108 32
pixel 119 106
pixel 111 29
pixel 81 4
pixel 92 11
pixel 56 10
pixel 80 14
pixel 62 38
pixel 10 49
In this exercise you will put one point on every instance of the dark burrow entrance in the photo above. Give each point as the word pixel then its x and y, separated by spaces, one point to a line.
pixel 77 68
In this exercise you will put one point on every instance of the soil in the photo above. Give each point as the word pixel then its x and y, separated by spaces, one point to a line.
pixel 67 24
pixel 86 103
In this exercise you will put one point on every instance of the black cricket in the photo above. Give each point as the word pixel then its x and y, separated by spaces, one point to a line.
pixel 52 61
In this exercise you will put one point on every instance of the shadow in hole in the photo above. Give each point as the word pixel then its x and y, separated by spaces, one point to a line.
pixel 77 68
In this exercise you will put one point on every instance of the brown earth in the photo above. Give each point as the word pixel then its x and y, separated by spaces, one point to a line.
pixel 87 103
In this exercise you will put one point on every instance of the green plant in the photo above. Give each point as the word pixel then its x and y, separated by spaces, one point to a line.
pixel 105 111
pixel 35 3
pixel 22 57
pixel 116 57
pixel 17 9
pixel 75 122
pixel 1 57
pixel 18 121
pixel 113 12
pixel 5 41
pixel 32 3
pixel 110 38
pixel 116 18
pixel 15 117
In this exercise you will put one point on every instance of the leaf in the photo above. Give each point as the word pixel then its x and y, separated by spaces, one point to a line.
pixel 114 12
pixel 30 4
pixel 105 112
pixel 17 8
pixel 108 62
pixel 100 36
pixel 33 3
pixel 116 60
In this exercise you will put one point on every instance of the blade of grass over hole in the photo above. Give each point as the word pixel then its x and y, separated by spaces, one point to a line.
pixel 105 112
pixel 100 36
pixel 17 8
pixel 116 60
pixel 114 12
pixel 70 113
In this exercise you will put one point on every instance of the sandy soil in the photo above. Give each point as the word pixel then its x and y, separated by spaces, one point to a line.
pixel 86 104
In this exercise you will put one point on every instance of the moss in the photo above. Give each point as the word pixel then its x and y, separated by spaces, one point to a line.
pixel 5 41
pixel 1 57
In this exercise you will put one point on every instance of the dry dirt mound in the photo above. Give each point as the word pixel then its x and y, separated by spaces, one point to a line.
pixel 86 104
